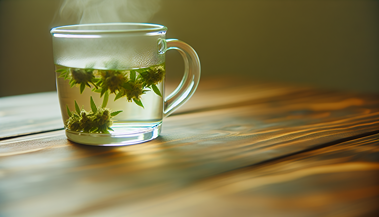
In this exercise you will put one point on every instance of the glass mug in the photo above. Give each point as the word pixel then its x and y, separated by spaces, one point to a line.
pixel 110 81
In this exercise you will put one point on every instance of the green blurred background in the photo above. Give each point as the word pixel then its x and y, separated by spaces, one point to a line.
pixel 330 44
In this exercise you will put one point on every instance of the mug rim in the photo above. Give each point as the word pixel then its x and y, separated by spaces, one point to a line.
pixel 138 28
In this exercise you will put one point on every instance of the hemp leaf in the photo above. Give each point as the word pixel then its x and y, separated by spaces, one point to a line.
pixel 77 108
pixel 132 75
pixel 105 100
pixel 64 73
pixel 138 102
pixel 115 113
pixel 118 95
pixel 156 90
pixel 68 111
pixel 93 105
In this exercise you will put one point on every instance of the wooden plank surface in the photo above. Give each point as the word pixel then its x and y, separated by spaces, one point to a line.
pixel 46 175
pixel 341 180
pixel 30 113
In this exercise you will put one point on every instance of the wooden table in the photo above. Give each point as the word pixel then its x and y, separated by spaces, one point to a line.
pixel 237 148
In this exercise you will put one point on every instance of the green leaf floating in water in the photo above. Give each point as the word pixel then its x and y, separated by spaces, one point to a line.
pixel 61 70
pixel 82 87
pixel 77 108
pixel 156 90
pixel 103 91
pixel 68 111
pixel 105 100
pixel 132 75
pixel 115 113
pixel 118 96
pixel 93 105
pixel 138 102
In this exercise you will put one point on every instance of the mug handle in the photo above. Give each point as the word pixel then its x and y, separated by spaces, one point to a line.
pixel 190 79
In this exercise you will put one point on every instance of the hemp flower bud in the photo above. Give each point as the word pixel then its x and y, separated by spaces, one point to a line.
pixel 153 75
pixel 82 76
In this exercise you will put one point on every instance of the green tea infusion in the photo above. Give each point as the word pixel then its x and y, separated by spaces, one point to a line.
pixel 110 80
pixel 120 93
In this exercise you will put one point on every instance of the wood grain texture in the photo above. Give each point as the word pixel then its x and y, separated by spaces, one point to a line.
pixel 46 175
pixel 338 181
pixel 31 113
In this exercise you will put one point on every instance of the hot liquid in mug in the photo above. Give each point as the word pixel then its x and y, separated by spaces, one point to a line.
pixel 110 81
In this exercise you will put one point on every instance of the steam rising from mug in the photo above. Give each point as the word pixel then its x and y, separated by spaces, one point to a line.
pixel 105 11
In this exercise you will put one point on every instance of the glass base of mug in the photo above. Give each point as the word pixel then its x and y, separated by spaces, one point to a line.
pixel 123 134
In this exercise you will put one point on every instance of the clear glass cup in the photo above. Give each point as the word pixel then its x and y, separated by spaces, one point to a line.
pixel 110 81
